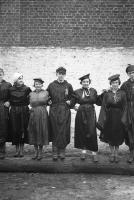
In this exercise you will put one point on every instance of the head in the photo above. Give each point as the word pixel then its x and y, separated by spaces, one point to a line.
pixel 1 74
pixel 85 82
pixel 130 71
pixel 18 79
pixel 115 84
pixel 38 83
pixel 61 73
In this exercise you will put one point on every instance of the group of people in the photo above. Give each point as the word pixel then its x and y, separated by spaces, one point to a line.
pixel 24 117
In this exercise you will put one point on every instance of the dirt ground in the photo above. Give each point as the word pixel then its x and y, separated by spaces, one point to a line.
pixel 24 186
pixel 37 186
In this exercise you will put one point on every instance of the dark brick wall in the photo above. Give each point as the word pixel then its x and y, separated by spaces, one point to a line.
pixel 67 23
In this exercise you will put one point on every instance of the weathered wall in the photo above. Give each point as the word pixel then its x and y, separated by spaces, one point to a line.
pixel 34 62
pixel 65 23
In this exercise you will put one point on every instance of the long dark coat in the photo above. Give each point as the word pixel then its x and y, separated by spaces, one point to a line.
pixel 19 113
pixel 59 114
pixel 113 118
pixel 4 111
pixel 85 122
pixel 128 87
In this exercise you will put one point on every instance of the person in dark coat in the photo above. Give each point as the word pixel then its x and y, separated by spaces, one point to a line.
pixel 85 122
pixel 60 92
pixel 128 87
pixel 38 122
pixel 19 113
pixel 113 117
pixel 4 112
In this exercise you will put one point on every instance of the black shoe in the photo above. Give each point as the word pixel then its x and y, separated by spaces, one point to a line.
pixel 83 156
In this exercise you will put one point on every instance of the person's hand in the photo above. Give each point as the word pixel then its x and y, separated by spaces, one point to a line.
pixel 7 104
pixel 76 107
pixel 68 102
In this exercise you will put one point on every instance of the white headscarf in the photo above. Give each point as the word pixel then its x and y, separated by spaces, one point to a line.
pixel 16 76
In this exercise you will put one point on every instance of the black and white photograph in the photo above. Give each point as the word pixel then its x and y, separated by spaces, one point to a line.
pixel 66 99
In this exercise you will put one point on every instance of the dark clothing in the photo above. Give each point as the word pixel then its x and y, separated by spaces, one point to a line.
pixel 4 111
pixel 128 87
pixel 19 113
pixel 38 122
pixel 59 114
pixel 113 118
pixel 85 122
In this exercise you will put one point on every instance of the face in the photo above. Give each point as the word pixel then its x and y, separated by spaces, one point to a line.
pixel 1 76
pixel 115 84
pixel 85 83
pixel 60 76
pixel 131 75
pixel 38 85
pixel 20 80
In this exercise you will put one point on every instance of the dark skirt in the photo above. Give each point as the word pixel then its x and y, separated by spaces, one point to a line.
pixel 38 126
pixel 19 118
pixel 85 128
pixel 114 131
pixel 4 123
pixel 60 120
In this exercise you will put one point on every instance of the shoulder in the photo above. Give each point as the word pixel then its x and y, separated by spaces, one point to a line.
pixel 51 84
pixel 93 90
pixel 69 84
pixel 122 92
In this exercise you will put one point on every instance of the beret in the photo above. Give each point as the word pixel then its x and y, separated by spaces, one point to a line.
pixel 114 77
pixel 130 68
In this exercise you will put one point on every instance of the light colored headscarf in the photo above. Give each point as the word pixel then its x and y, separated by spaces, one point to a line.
pixel 16 76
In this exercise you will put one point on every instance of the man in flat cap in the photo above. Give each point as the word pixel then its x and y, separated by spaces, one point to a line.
pixel 60 92
pixel 128 87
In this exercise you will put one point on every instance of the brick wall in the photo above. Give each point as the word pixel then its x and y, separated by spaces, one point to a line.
pixel 67 23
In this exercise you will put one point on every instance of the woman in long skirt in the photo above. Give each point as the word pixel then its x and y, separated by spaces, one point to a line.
pixel 113 117
pixel 4 112
pixel 85 122
pixel 19 113
pixel 38 122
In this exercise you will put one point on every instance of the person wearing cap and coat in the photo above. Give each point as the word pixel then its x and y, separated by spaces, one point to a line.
pixel 4 112
pixel 112 119
pixel 85 136
pixel 60 92
pixel 19 113
pixel 128 87
pixel 38 122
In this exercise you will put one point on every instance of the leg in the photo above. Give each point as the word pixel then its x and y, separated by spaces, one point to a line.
pixel 116 154
pixel 111 159
pixel 2 151
pixel 36 152
pixel 21 149
pixel 17 154
pixel 131 156
pixel 62 154
pixel 95 156
pixel 83 155
pixel 40 152
pixel 55 152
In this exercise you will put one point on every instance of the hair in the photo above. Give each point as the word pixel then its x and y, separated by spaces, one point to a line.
pixel 115 80
pixel 1 70
pixel 38 82
pixel 84 79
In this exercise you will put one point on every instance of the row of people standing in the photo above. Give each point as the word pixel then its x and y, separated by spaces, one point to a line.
pixel 40 129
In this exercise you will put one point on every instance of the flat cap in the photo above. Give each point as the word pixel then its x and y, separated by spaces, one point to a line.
pixel 38 80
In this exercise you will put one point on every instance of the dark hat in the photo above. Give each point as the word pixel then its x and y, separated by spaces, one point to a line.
pixel 38 80
pixel 61 70
pixel 87 76
pixel 114 77
pixel 130 68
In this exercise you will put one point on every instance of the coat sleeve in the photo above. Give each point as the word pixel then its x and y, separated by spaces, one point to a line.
pixel 124 118
pixel 102 115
